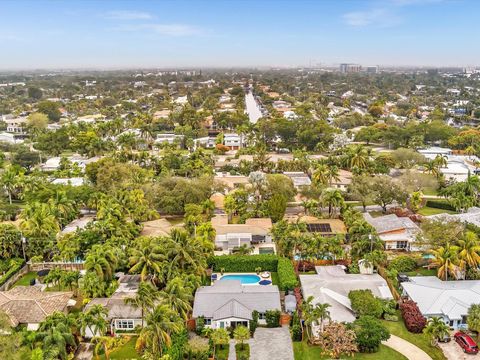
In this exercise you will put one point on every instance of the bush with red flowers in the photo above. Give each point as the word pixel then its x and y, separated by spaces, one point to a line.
pixel 414 320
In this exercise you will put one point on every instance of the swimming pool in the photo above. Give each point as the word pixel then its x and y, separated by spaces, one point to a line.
pixel 244 278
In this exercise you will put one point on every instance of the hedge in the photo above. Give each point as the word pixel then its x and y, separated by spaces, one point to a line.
pixel 244 263
pixel 439 205
pixel 403 263
pixel 413 318
pixel 287 279
pixel 15 265
pixel 365 303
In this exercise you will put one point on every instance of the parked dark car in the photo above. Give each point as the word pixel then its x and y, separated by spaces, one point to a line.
pixel 466 343
pixel 402 278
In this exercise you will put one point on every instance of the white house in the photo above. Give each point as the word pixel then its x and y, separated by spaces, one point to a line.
pixel 233 141
pixel 229 303
pixel 168 138
pixel 449 300
pixel 16 125
pixel 121 316
pixel 10 138
pixel 398 233
pixel 331 285
pixel 255 232
pixel 432 152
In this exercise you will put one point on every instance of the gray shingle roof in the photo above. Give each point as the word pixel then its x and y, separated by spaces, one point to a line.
pixel 232 309
pixel 216 300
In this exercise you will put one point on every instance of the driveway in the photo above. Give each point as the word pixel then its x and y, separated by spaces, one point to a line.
pixel 271 344
pixel 453 351
pixel 407 349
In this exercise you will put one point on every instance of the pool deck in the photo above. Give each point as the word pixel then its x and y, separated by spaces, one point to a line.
pixel 269 278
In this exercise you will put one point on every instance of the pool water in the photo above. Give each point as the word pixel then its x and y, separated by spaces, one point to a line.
pixel 244 279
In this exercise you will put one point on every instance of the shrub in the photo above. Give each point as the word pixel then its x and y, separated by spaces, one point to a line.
pixel 403 263
pixel 295 328
pixel 246 263
pixel 364 303
pixel 254 322
pixel 197 348
pixel 14 266
pixel 439 205
pixel 199 325
pixel 390 317
pixel 414 320
pixel 370 333
pixel 287 279
pixel 273 318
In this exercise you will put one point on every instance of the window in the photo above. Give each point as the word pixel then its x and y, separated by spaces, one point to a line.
pixel 222 324
pixel 261 316
pixel 208 321
pixel 451 322
pixel 464 319
pixel 402 244
pixel 124 324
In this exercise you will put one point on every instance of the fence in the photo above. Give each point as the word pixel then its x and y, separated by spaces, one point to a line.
pixel 70 266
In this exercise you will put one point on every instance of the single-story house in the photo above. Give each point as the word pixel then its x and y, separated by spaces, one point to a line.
pixel 398 233
pixel 299 178
pixel 255 232
pixel 74 181
pixel 121 316
pixel 158 227
pixel 76 224
pixel 434 151
pixel 332 284
pixel 344 179
pixel 28 305
pixel 324 227
pixel 231 181
pixel 449 300
pixel 472 216
pixel 229 303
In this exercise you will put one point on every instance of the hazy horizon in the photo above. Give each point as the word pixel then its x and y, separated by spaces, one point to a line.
pixel 116 35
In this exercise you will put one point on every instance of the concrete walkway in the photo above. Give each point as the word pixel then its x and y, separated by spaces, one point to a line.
pixel 232 355
pixel 271 344
pixel 407 349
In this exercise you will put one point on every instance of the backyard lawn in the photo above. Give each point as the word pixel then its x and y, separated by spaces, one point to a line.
pixel 423 272
pixel 25 279
pixel 126 352
pixel 425 211
pixel 303 351
pixel 422 341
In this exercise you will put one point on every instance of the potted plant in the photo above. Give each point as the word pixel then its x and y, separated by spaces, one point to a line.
pixel 258 270
pixel 222 270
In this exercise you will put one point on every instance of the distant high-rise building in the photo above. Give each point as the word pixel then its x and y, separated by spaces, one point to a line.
pixel 372 69
pixel 350 68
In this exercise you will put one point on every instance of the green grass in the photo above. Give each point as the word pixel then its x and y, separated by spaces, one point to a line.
pixel 303 351
pixel 245 351
pixel 425 211
pixel 423 272
pixel 25 279
pixel 421 340
pixel 274 278
pixel 125 352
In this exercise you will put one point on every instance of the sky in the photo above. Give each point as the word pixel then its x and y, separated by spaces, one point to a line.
pixel 237 33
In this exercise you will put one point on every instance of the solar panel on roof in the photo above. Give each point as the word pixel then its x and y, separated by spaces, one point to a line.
pixel 322 228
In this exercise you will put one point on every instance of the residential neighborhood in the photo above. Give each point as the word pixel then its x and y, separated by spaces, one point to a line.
pixel 263 180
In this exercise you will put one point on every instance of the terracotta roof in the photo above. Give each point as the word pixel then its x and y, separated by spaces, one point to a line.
pixel 30 305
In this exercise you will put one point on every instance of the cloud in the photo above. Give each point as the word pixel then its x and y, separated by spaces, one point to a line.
pixel 177 30
pixel 380 17
pixel 128 15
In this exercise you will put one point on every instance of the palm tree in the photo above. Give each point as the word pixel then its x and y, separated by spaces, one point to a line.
pixel 55 340
pixel 219 337
pixel 177 297
pixel 321 311
pixel 357 157
pixel 186 253
pixel 333 174
pixel 102 260
pixel 148 260
pixel 332 198
pixel 446 259
pixel 321 175
pixel 9 180
pixel 144 298
pixel 241 333
pixel 94 319
pixel 468 250
pixel 437 329
pixel 433 168
pixel 162 322
pixel 105 343
pixel 313 313
pixel 38 221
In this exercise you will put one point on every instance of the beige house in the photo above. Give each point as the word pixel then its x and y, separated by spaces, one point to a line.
pixel 28 305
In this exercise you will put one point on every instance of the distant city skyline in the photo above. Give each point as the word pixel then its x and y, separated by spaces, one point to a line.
pixel 174 34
